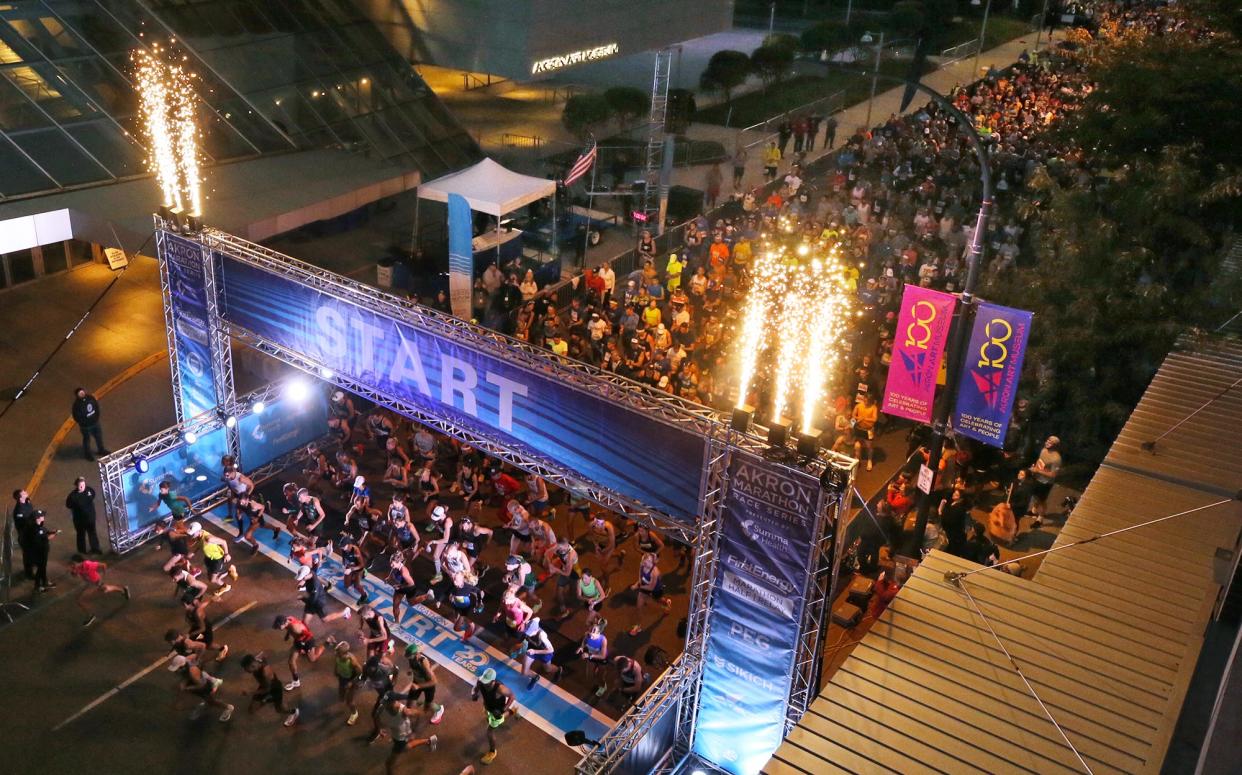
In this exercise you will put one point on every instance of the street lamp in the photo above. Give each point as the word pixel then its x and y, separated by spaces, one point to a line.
pixel 879 50
pixel 983 31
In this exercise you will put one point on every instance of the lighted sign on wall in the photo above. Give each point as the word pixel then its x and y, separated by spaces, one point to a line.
pixel 574 58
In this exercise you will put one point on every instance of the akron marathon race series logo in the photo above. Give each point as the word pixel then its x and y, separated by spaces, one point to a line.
pixel 574 58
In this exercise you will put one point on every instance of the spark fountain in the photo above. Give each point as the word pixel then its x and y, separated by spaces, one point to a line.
pixel 167 99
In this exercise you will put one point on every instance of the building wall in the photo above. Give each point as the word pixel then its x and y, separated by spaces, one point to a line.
pixel 506 37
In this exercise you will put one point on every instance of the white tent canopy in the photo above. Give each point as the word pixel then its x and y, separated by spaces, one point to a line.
pixel 489 188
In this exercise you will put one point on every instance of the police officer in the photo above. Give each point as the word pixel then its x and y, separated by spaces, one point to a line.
pixel 86 415
pixel 81 504
pixel 40 543
pixel 23 520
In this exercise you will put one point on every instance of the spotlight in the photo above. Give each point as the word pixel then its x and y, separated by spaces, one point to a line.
pixel 230 421
pixel 201 478
pixel 326 373
pixel 778 431
pixel 188 470
pixel 141 464
pixel 257 407
pixel 742 415
pixel 297 390
pixel 833 479
pixel 808 442
pixel 190 437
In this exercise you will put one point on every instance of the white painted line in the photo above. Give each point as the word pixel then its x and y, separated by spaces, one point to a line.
pixel 101 699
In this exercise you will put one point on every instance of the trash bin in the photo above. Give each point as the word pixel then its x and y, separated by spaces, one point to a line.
pixel 383 273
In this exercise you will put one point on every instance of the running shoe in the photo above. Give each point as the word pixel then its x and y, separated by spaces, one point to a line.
pixel 599 692
pixel 363 598
pixel 667 603
pixel 241 539
pixel 869 465
pixel 534 679
pixel 292 718
pixel 227 714
pixel 436 579
pixel 222 591
pixel 90 620
pixel 198 711
pixel 353 718
pixel 349 614
pixel 433 741
pixel 233 572
pixel 488 757
pixel 635 630
pixel 295 683
pixel 125 590
pixel 436 717
pixel 224 652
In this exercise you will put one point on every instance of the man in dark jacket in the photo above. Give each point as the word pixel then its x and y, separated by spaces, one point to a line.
pixel 86 415
pixel 23 521
pixel 81 504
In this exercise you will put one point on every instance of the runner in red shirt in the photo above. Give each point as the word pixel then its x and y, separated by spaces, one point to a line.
pixel 92 572
pixel 303 643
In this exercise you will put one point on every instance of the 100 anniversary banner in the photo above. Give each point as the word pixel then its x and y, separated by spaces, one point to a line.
pixel 989 382
pixel 918 349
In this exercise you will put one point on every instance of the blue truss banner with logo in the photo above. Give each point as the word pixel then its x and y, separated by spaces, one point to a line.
pixel 616 448
pixel 989 382
pixel 196 383
pixel 766 539
pixel 193 470
pixel 282 427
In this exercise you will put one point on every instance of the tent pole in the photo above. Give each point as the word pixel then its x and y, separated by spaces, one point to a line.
pixel 586 232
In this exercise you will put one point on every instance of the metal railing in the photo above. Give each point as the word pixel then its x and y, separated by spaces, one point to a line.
pixel 826 106
pixel 510 140
pixel 960 51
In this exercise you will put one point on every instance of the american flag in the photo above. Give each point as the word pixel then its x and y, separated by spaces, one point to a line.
pixel 583 164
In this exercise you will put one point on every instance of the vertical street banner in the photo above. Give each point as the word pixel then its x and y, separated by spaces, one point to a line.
pixel 989 381
pixel 461 255
pixel 918 351
pixel 193 377
pixel 768 529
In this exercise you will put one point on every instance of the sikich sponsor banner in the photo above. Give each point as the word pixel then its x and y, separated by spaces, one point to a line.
pixel 599 441
pixel 767 532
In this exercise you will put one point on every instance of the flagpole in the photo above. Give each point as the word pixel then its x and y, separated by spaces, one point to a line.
pixel 586 234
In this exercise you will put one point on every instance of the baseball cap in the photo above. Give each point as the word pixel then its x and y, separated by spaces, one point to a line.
pixel 439 513
pixel 411 649
pixel 488 676
pixel 513 562
pixel 177 662
pixel 338 396
pixel 532 626
pixel 195 528
pixel 359 482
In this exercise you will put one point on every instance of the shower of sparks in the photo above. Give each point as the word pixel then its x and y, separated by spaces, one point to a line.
pixel 167 100
pixel 801 294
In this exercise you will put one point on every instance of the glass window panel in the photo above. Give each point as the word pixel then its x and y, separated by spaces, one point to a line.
pixel 17 112
pixel 98 29
pixel 21 266
pixel 18 175
pixel 91 74
pixel 106 143
pixel 54 258
pixel 41 86
pixel 61 158
pixel 250 15
pixel 79 252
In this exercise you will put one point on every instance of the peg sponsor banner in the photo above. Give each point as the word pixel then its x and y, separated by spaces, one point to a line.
pixel 922 331
pixel 461 255
pixel 184 261
pixel 989 382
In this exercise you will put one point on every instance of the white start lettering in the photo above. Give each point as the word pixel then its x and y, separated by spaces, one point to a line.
pixel 574 58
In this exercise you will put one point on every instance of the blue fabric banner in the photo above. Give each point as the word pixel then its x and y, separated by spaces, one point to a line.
pixel 196 383
pixel 613 447
pixel 989 381
pixel 193 470
pixel 755 624
pixel 461 255
pixel 284 425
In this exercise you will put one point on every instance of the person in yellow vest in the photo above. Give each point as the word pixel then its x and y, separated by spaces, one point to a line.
pixel 866 414
pixel 673 269
pixel 215 557
pixel 771 160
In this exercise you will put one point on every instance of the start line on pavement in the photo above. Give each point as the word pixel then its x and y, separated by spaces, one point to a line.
pixel 547 706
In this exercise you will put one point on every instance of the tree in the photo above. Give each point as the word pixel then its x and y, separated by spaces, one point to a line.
pixel 771 63
pixel 726 71
pixel 584 112
pixel 830 36
pixel 627 102
pixel 782 40
pixel 907 17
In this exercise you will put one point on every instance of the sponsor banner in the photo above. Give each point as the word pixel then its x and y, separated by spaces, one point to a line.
pixel 547 706
pixel 461 255
pixel 188 296
pixel 193 470
pixel 918 352
pixel 767 532
pixel 285 425
pixel 599 441
pixel 993 367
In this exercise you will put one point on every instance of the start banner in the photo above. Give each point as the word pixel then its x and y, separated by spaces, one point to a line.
pixel 183 261
pixel 990 377
pixel 918 349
